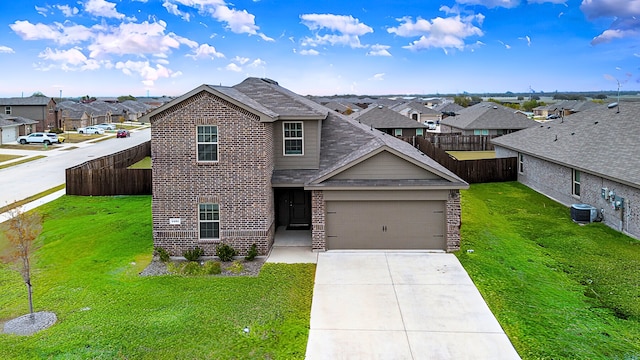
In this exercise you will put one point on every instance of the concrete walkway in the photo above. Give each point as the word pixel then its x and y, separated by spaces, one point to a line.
pixel 292 247
pixel 400 305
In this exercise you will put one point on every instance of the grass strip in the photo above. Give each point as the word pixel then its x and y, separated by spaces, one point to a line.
pixel 4 166
pixel 31 198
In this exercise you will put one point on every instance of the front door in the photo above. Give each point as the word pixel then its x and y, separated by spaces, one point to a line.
pixel 294 208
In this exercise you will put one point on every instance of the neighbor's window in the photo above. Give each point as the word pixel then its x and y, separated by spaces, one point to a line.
pixel 209 221
pixel 397 132
pixel 207 143
pixel 293 139
pixel 520 163
pixel 480 132
pixel 7 110
pixel 576 183
pixel 419 132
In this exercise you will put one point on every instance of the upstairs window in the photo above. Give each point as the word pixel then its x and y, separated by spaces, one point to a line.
pixel 293 138
pixel 419 132
pixel 397 132
pixel 207 143
pixel 209 221
pixel 576 183
pixel 480 132
pixel 7 110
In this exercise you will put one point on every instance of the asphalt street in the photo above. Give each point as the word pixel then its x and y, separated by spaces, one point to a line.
pixel 21 181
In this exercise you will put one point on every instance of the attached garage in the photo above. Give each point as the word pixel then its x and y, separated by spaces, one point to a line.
pixel 386 225
pixel 9 134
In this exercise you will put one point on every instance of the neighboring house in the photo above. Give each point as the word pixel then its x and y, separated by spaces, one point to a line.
pixel 232 164
pixel 584 158
pixel 38 108
pixel 448 109
pixel 563 108
pixel 91 113
pixel 342 107
pixel 485 118
pixel 416 110
pixel 390 122
pixel 13 126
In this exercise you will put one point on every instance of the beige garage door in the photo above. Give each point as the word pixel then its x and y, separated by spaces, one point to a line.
pixel 386 225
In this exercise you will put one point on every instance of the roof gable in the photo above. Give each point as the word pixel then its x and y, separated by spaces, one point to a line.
pixel 381 117
pixel 487 115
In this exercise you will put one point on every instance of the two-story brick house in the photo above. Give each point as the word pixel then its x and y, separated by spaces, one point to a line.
pixel 231 164
pixel 39 108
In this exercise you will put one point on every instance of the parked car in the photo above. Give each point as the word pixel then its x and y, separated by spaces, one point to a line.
pixel 106 126
pixel 122 133
pixel 56 137
pixel 91 130
pixel 431 125
pixel 39 137
pixel 553 116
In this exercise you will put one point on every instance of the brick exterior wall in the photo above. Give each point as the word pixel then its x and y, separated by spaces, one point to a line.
pixel 318 239
pixel 240 182
pixel 555 181
pixel 453 221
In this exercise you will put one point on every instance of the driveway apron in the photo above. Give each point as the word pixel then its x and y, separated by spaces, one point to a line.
pixel 400 305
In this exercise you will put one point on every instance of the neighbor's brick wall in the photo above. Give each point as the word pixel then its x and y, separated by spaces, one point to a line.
pixel 555 181
pixel 318 236
pixel 453 221
pixel 240 182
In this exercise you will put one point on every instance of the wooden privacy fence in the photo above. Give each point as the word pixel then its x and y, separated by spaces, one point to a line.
pixel 471 171
pixel 458 142
pixel 108 175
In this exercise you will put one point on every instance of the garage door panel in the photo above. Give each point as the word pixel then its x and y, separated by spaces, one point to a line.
pixel 385 225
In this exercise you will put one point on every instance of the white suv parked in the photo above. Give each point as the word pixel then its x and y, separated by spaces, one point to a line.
pixel 39 137
pixel 91 130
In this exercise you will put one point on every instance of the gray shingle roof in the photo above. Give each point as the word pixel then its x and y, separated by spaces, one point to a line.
pixel 599 141
pixel 8 120
pixel 488 115
pixel 381 117
pixel 573 105
pixel 25 101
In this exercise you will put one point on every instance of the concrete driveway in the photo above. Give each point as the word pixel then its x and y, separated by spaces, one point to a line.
pixel 400 305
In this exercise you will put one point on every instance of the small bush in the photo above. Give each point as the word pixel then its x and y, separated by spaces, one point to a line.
pixel 236 267
pixel 163 254
pixel 212 268
pixel 191 268
pixel 252 253
pixel 225 252
pixel 193 254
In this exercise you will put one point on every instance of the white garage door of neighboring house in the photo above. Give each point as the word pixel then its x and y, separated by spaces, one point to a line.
pixel 9 134
pixel 386 225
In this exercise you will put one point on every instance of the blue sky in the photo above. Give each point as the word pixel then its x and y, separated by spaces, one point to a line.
pixel 168 47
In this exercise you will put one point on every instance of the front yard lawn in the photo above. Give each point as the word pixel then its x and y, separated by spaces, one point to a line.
pixel 559 290
pixel 87 273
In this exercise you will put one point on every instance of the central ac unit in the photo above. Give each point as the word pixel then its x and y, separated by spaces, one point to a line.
pixel 583 213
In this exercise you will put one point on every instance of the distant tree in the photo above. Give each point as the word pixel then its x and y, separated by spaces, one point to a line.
pixel 535 97
pixel 124 98
pixel 531 104
pixel 475 100
pixel 520 98
pixel 22 230
pixel 463 101
pixel 88 99
pixel 495 101
pixel 38 94
pixel 600 96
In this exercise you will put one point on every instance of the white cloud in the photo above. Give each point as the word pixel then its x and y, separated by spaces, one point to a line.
pixel 67 10
pixel 102 8
pixel 379 50
pixel 626 15
pixel 240 60
pixel 507 46
pixel 378 77
pixel 527 39
pixel 257 63
pixel 612 34
pixel 309 52
pixel 238 21
pixel 233 67
pixel 444 33
pixel 72 56
pixel 57 32
pixel 148 73
pixel 42 10
pixel 343 30
pixel 6 50
pixel 205 51
pixel 173 10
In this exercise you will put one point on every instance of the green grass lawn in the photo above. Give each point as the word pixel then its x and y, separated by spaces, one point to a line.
pixel 142 164
pixel 559 290
pixel 472 155
pixel 87 273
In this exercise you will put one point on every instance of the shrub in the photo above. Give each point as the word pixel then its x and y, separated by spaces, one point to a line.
pixel 225 252
pixel 163 254
pixel 212 268
pixel 252 253
pixel 191 268
pixel 236 267
pixel 193 254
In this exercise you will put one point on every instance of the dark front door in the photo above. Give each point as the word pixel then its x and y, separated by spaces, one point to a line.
pixel 294 208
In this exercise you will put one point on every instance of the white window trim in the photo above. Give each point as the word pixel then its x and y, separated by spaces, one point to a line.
pixel 208 221
pixel 574 182
pixel 217 143
pixel 284 138
pixel 7 110
pixel 521 163
pixel 421 130
pixel 397 132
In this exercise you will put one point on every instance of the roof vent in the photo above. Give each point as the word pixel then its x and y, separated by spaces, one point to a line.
pixel 495 107
pixel 612 105
pixel 269 81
